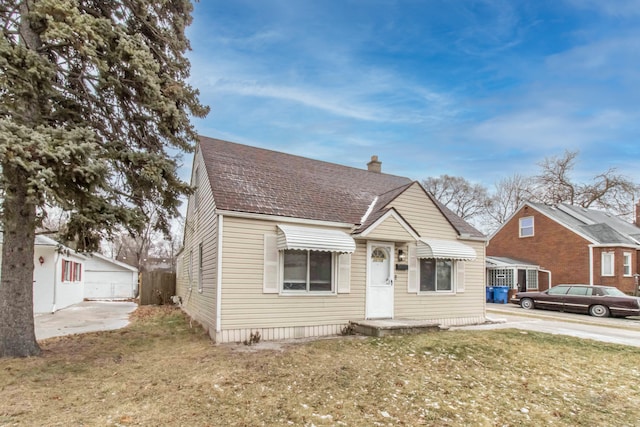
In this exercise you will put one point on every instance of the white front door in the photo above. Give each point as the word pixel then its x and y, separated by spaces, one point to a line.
pixel 380 275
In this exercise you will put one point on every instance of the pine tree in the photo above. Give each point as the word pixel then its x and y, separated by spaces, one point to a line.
pixel 94 106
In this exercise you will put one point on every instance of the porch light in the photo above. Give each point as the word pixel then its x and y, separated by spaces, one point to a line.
pixel 402 257
pixel 41 260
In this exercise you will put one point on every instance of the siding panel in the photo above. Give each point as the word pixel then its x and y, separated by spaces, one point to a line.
pixel 201 227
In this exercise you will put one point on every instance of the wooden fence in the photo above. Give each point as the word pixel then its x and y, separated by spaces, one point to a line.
pixel 157 287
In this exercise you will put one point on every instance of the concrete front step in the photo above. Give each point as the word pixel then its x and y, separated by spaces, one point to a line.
pixel 386 327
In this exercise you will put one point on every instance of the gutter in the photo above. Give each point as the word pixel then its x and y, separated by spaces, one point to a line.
pixel 55 284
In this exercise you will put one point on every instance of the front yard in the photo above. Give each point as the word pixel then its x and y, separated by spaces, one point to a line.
pixel 162 371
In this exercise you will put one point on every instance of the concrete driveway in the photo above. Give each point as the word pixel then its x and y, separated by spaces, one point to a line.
pixel 87 316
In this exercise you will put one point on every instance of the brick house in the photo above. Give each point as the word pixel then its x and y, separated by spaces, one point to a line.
pixel 574 244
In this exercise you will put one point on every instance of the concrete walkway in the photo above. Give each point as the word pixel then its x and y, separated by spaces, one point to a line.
pixel 87 316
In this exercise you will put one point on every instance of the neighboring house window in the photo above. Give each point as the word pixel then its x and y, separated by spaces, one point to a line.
pixel 200 267
pixel 77 272
pixel 307 271
pixel 627 263
pixel 526 226
pixel 607 264
pixel 532 279
pixel 436 275
pixel 67 266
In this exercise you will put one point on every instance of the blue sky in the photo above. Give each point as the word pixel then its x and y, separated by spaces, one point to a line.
pixel 479 89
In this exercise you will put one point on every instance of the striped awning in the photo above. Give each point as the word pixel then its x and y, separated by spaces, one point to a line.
pixel 445 249
pixel 314 239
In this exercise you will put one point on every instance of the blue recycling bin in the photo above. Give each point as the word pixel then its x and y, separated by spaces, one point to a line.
pixel 501 294
pixel 489 293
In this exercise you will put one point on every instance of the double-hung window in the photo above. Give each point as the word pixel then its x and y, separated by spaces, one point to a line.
pixel 436 275
pixel 67 270
pixel 627 263
pixel 307 271
pixel 526 227
pixel 608 264
pixel 77 272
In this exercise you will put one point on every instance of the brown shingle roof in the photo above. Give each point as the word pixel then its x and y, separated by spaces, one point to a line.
pixel 256 180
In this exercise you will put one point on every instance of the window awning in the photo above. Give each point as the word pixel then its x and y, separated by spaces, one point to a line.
pixel 314 239
pixel 445 249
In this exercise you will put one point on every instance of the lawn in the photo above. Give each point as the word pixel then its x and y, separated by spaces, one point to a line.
pixel 163 371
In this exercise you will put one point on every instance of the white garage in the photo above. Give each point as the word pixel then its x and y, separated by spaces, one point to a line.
pixel 108 279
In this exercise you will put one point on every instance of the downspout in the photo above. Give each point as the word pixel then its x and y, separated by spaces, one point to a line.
pixel 591 265
pixel 219 277
pixel 55 278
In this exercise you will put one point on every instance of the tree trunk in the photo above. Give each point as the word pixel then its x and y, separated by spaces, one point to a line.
pixel 17 332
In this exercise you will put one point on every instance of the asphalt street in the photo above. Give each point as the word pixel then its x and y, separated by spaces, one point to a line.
pixel 624 331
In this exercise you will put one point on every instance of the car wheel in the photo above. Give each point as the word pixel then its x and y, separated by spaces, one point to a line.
pixel 526 303
pixel 599 311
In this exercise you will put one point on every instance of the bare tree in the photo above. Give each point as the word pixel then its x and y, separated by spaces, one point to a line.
pixel 467 200
pixel 509 193
pixel 608 190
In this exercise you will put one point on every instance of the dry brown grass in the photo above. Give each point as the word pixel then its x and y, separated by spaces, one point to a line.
pixel 160 371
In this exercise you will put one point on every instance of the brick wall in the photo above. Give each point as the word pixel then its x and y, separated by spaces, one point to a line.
pixel 625 284
pixel 552 247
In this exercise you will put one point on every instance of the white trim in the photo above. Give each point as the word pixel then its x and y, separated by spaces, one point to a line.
pixel 219 281
pixel 380 220
pixel 591 265
pixel 266 217
pixel 392 272
pixel 611 264
pixel 616 245
pixel 624 256
pixel 307 292
pixel 454 279
pixel 520 227
pixel 368 212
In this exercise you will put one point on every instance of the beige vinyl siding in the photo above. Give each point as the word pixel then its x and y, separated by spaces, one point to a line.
pixel 469 304
pixel 459 308
pixel 423 215
pixel 390 229
pixel 244 305
pixel 201 227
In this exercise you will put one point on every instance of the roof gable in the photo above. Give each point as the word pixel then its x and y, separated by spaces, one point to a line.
pixel 600 228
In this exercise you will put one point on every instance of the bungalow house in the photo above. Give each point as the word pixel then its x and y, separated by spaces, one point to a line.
pixel 58 276
pixel 568 244
pixel 290 247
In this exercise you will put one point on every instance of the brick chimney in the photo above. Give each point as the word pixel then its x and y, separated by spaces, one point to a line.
pixel 374 165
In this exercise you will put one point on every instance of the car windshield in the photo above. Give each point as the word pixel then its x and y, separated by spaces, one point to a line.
pixel 613 292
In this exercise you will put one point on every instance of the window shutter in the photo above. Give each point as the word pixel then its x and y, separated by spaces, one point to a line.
pixel 460 266
pixel 270 280
pixel 344 273
pixel 64 266
pixel 412 282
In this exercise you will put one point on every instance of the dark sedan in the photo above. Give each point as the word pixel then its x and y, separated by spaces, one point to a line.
pixel 598 301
